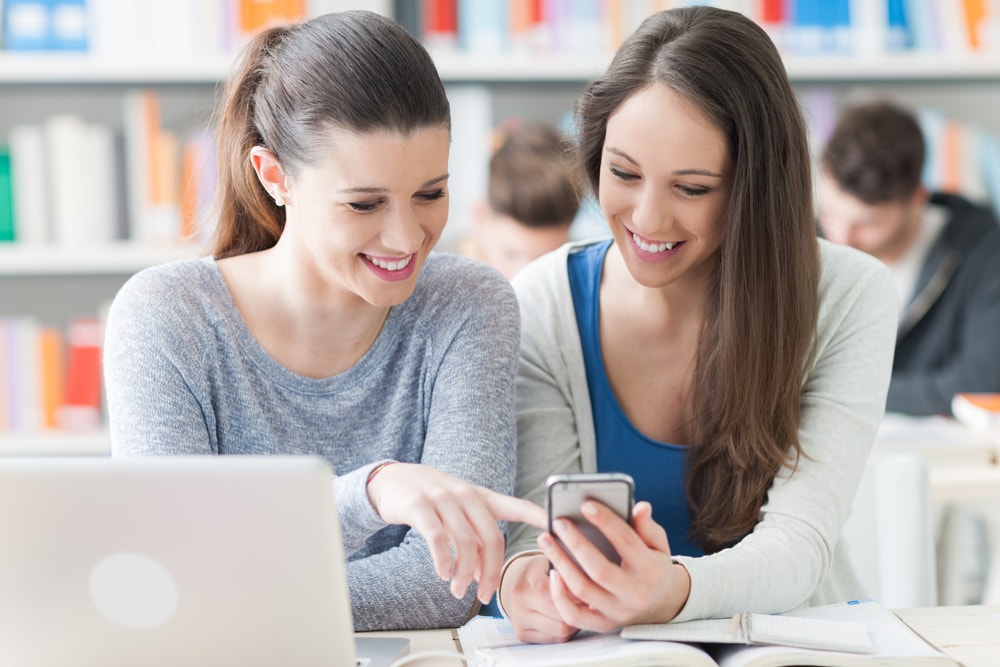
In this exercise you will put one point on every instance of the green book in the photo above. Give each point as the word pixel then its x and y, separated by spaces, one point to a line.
pixel 6 199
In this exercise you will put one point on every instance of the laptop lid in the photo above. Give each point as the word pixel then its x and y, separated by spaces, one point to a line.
pixel 227 560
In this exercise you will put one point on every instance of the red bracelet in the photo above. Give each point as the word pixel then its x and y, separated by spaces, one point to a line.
pixel 376 470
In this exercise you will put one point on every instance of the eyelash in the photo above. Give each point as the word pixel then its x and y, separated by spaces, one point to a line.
pixel 627 178
pixel 369 207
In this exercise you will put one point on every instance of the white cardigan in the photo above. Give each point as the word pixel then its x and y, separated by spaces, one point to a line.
pixel 792 557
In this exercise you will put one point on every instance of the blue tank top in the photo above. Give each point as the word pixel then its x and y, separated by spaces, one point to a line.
pixel 658 468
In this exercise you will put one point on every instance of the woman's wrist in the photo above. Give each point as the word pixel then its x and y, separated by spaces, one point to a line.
pixel 376 470
pixel 370 488
pixel 503 572
pixel 682 586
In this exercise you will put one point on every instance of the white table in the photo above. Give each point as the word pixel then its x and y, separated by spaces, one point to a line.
pixel 964 472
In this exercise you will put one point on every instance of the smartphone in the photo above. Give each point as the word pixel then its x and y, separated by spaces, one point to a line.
pixel 567 492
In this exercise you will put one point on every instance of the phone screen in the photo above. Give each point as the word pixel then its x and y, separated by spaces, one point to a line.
pixel 567 493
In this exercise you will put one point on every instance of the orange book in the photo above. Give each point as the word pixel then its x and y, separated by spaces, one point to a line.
pixel 255 15
pixel 978 410
pixel 142 146
pixel 50 349
pixel 81 409
pixel 975 14
pixel 526 27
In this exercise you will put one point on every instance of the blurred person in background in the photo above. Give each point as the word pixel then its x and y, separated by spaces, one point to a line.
pixel 533 197
pixel 943 250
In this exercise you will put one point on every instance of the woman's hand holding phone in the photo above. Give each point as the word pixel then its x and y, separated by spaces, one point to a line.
pixel 592 593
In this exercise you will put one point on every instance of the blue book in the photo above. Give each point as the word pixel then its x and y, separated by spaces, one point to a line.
pixel 45 25
pixel 899 36
pixel 482 26
pixel 26 25
pixel 67 25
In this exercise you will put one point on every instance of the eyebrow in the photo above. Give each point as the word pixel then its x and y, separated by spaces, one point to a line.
pixel 375 191
pixel 678 172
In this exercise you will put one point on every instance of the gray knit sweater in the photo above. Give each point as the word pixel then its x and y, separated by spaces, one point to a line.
pixel 184 375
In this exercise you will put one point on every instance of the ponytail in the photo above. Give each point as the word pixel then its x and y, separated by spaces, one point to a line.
pixel 248 219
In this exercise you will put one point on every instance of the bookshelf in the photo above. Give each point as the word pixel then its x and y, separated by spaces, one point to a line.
pixel 57 281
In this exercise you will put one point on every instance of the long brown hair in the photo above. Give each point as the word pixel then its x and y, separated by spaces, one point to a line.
pixel 353 70
pixel 761 309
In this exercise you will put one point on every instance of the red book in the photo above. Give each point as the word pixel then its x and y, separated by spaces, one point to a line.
pixel 81 409
pixel 439 20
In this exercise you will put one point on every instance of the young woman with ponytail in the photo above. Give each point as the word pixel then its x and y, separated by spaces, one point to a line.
pixel 321 324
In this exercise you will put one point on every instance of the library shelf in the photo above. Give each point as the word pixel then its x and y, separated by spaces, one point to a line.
pixel 460 67
pixel 104 259
pixel 54 443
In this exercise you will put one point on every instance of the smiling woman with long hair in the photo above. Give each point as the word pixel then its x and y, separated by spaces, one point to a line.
pixel 713 348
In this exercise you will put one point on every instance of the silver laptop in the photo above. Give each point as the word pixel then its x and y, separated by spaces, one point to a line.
pixel 222 560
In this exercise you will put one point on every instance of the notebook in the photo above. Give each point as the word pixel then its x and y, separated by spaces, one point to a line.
pixel 215 561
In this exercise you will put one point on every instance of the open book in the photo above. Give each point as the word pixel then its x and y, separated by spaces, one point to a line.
pixel 779 630
pixel 491 641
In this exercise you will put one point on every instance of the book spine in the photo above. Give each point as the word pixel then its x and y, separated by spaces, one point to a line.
pixel 439 20
pixel 26 25
pixel 65 151
pixel 82 407
pixel 51 375
pixel 27 156
pixel 68 25
pixel 7 232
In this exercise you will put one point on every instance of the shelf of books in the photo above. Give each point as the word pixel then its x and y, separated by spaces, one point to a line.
pixel 144 196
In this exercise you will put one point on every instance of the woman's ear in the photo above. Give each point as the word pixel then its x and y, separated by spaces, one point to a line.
pixel 270 173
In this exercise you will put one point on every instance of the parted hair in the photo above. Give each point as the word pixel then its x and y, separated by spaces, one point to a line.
pixel 353 70
pixel 761 309
pixel 533 178
pixel 876 152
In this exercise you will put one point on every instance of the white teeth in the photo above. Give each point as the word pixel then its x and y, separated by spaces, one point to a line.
pixel 390 266
pixel 655 247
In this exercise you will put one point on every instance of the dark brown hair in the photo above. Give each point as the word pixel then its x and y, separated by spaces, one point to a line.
pixel 533 178
pixel 762 306
pixel 876 152
pixel 353 70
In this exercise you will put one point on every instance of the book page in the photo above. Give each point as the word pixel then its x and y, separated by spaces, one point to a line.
pixel 889 635
pixel 491 642
pixel 708 630
pixel 783 630
pixel 817 633
pixel 894 643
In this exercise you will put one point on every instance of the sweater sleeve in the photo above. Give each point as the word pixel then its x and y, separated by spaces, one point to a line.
pixel 470 434
pixel 150 345
pixel 549 404
pixel 782 562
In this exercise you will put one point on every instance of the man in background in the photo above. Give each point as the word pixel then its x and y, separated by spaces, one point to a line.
pixel 943 250
pixel 533 197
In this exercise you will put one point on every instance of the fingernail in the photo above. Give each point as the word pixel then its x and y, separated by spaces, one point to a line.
pixel 545 542
pixel 588 508
pixel 560 526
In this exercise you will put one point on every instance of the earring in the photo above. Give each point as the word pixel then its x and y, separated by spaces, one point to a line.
pixel 278 201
